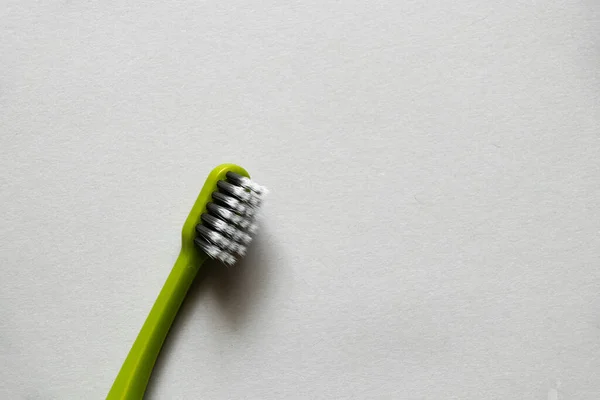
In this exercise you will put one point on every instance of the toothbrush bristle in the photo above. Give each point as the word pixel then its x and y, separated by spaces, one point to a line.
pixel 229 221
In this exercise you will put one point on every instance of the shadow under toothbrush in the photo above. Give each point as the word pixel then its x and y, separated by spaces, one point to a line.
pixel 236 290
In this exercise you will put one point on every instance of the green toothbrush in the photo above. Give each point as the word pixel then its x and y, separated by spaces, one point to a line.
pixel 218 226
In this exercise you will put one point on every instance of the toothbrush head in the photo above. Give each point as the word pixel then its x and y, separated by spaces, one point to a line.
pixel 222 221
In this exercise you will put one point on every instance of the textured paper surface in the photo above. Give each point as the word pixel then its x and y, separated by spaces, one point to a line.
pixel 433 225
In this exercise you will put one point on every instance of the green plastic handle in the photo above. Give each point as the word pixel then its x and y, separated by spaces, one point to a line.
pixel 133 377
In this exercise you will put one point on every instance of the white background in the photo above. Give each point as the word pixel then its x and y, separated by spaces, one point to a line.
pixel 433 230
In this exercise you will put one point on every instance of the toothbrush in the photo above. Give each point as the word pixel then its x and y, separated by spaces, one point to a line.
pixel 219 227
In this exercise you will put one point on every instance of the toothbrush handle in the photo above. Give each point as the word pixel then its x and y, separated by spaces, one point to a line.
pixel 136 370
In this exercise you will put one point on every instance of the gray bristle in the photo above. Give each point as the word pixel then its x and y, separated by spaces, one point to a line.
pixel 227 226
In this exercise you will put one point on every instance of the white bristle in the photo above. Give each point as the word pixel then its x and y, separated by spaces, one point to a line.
pixel 240 236
pixel 217 253
pixel 227 258
pixel 252 228
pixel 229 222
pixel 237 191
pixel 242 222
pixel 249 184
pixel 239 220
pixel 254 200
pixel 243 194
pixel 220 240
pixel 212 250
pixel 230 230
pixel 260 190
pixel 238 249
pixel 231 216
pixel 225 213
pixel 233 203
